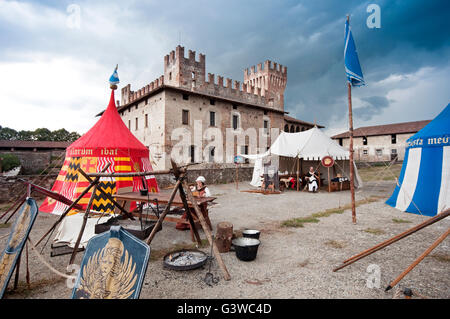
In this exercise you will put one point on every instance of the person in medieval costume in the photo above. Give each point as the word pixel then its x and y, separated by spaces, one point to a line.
pixel 312 178
pixel 199 190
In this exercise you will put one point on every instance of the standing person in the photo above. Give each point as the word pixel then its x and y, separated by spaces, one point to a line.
pixel 312 178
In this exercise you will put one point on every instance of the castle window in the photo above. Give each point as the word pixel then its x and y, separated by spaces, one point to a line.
pixel 364 140
pixel 394 138
pixel 364 152
pixel 379 151
pixel 186 97
pixel 212 118
pixel 136 123
pixel 266 127
pixel 129 124
pixel 170 75
pixel 297 129
pixel 192 153
pixel 292 129
pixel 185 117
pixel 212 102
pixel 340 141
pixel 286 128
pixel 303 128
pixel 193 75
pixel 211 154
pixel 234 106
pixel 146 120
pixel 235 122
pixel 265 112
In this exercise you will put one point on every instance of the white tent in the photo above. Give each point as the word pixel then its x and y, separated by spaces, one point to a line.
pixel 310 145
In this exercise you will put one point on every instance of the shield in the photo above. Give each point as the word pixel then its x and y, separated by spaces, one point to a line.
pixel 16 241
pixel 113 266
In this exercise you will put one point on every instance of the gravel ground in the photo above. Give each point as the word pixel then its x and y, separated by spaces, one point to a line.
pixel 291 262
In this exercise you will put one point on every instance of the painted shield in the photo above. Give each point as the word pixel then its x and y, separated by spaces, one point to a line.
pixel 113 266
pixel 17 238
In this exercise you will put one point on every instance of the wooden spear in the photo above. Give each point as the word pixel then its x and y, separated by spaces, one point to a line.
pixel 418 260
pixel 392 240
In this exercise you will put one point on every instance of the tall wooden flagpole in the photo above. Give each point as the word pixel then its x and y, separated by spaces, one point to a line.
pixel 350 124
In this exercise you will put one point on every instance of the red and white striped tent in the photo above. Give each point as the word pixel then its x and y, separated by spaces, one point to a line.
pixel 108 141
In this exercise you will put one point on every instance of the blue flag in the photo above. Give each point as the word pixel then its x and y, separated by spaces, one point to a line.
pixel 114 79
pixel 352 67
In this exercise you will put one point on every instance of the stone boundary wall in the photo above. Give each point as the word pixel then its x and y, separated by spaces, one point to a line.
pixel 212 176
pixel 10 187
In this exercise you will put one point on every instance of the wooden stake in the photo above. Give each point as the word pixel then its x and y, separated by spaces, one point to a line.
pixel 205 227
pixel 329 181
pixel 86 190
pixel 392 240
pixel 352 172
pixel 99 188
pixel 86 215
pixel 418 260
pixel 164 213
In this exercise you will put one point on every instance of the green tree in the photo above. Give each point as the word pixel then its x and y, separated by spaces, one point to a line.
pixel 42 134
pixel 8 162
pixel 7 133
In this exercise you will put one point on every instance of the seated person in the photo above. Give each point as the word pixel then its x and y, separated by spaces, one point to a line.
pixel 312 178
pixel 200 189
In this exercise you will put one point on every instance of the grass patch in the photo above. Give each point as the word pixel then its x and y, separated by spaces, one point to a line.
pixel 379 172
pixel 314 218
pixel 335 244
pixel 158 254
pixel 7 225
pixel 375 231
pixel 441 257
pixel 298 222
pixel 400 221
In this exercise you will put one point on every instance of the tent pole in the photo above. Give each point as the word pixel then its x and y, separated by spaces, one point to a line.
pixel 298 170
pixel 418 260
pixel 350 122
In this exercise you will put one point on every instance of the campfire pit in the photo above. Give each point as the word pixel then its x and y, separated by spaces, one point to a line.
pixel 184 259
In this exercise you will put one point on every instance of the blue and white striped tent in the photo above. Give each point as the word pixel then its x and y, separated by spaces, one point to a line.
pixel 424 182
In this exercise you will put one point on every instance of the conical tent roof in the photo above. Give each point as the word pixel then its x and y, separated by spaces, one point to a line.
pixel 109 141
pixel 109 133
pixel 424 182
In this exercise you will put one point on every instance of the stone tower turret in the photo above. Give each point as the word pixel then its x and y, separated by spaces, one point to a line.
pixel 184 72
pixel 270 80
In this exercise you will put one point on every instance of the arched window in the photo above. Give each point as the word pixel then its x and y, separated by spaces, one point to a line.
pixel 297 129
pixel 292 129
pixel 286 128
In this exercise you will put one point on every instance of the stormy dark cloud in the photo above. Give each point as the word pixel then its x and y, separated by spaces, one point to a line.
pixel 405 62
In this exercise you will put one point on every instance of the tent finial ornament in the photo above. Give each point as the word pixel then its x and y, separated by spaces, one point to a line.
pixel 114 79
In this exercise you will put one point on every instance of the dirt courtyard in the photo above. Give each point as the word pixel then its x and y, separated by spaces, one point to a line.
pixel 303 237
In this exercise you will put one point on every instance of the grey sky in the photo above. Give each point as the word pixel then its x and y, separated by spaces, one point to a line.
pixel 55 75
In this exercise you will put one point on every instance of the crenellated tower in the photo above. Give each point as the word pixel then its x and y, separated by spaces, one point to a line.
pixel 270 80
pixel 184 72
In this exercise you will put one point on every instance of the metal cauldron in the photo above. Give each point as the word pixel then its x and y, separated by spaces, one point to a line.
pixel 246 248
pixel 251 233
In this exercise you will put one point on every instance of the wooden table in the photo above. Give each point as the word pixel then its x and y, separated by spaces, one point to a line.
pixel 163 198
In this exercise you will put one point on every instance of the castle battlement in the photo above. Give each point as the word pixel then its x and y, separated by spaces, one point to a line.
pixel 263 84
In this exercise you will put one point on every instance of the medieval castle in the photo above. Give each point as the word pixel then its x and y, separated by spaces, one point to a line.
pixel 187 101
